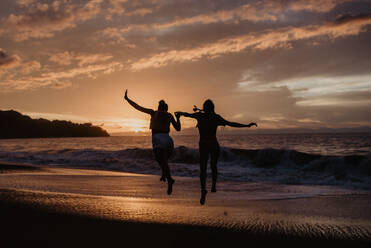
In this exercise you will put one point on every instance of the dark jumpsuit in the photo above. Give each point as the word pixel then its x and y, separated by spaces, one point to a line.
pixel 208 146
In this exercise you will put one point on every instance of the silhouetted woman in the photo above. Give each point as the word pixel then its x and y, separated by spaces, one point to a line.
pixel 162 143
pixel 207 123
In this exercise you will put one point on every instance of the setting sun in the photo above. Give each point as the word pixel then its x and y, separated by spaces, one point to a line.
pixel 134 125
pixel 138 130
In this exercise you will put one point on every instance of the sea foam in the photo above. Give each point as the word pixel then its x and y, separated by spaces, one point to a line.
pixel 251 165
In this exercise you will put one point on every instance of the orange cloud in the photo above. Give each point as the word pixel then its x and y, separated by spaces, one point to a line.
pixel 345 26
pixel 44 20
pixel 61 79
pixel 267 10
pixel 66 58
pixel 8 61
pixel 114 36
pixel 30 67
pixel 320 6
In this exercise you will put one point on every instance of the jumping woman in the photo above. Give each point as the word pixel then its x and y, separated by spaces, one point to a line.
pixel 162 143
pixel 207 123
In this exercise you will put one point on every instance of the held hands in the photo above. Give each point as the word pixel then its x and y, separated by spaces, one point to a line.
pixel 178 114
pixel 252 124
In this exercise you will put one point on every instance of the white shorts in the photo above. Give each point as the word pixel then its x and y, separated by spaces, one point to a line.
pixel 162 141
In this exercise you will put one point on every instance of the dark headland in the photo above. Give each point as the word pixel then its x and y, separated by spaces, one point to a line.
pixel 15 125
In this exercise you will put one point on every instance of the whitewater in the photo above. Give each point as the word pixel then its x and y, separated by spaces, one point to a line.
pixel 297 159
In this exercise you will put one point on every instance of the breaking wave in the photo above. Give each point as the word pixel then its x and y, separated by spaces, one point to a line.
pixel 261 165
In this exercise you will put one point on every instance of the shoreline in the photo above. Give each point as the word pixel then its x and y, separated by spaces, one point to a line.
pixel 90 207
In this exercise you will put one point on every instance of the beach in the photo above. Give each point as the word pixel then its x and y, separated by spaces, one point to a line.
pixel 62 207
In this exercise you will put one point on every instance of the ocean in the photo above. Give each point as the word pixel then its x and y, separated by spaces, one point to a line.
pixel 304 159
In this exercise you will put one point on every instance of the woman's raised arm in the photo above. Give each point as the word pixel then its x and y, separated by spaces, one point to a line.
pixel 136 106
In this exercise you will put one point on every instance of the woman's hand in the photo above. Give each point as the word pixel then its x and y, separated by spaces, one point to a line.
pixel 126 95
pixel 253 124
pixel 178 114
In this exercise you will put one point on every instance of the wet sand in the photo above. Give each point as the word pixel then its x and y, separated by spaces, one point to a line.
pixel 63 207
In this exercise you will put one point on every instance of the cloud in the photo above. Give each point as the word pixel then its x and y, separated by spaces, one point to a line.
pixel 258 41
pixel 67 58
pixel 13 65
pixel 317 91
pixel 128 8
pixel 246 12
pixel 280 108
pixel 255 11
pixel 8 61
pixel 45 20
pixel 30 67
pixel 114 36
pixel 140 12
pixel 320 6
pixel 60 79
pixel 116 7
pixel 92 58
pixel 64 58
pixel 24 2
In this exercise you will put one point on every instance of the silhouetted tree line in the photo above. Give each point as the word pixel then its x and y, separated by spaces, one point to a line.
pixel 15 125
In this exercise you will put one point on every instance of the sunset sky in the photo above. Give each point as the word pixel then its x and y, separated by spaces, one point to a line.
pixel 280 63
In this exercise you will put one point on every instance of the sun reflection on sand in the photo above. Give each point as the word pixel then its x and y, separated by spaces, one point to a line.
pixel 257 207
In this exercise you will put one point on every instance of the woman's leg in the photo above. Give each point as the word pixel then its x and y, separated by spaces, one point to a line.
pixel 170 180
pixel 162 158
pixel 215 152
pixel 159 159
pixel 204 157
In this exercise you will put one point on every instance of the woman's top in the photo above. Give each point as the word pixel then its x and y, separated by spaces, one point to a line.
pixel 207 125
pixel 160 122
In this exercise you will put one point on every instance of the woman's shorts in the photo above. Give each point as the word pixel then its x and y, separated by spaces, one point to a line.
pixel 162 141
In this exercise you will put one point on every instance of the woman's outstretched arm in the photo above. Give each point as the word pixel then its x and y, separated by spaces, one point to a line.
pixel 236 124
pixel 136 106
pixel 224 122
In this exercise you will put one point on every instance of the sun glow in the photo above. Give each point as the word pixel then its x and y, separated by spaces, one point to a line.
pixel 135 125
pixel 137 130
